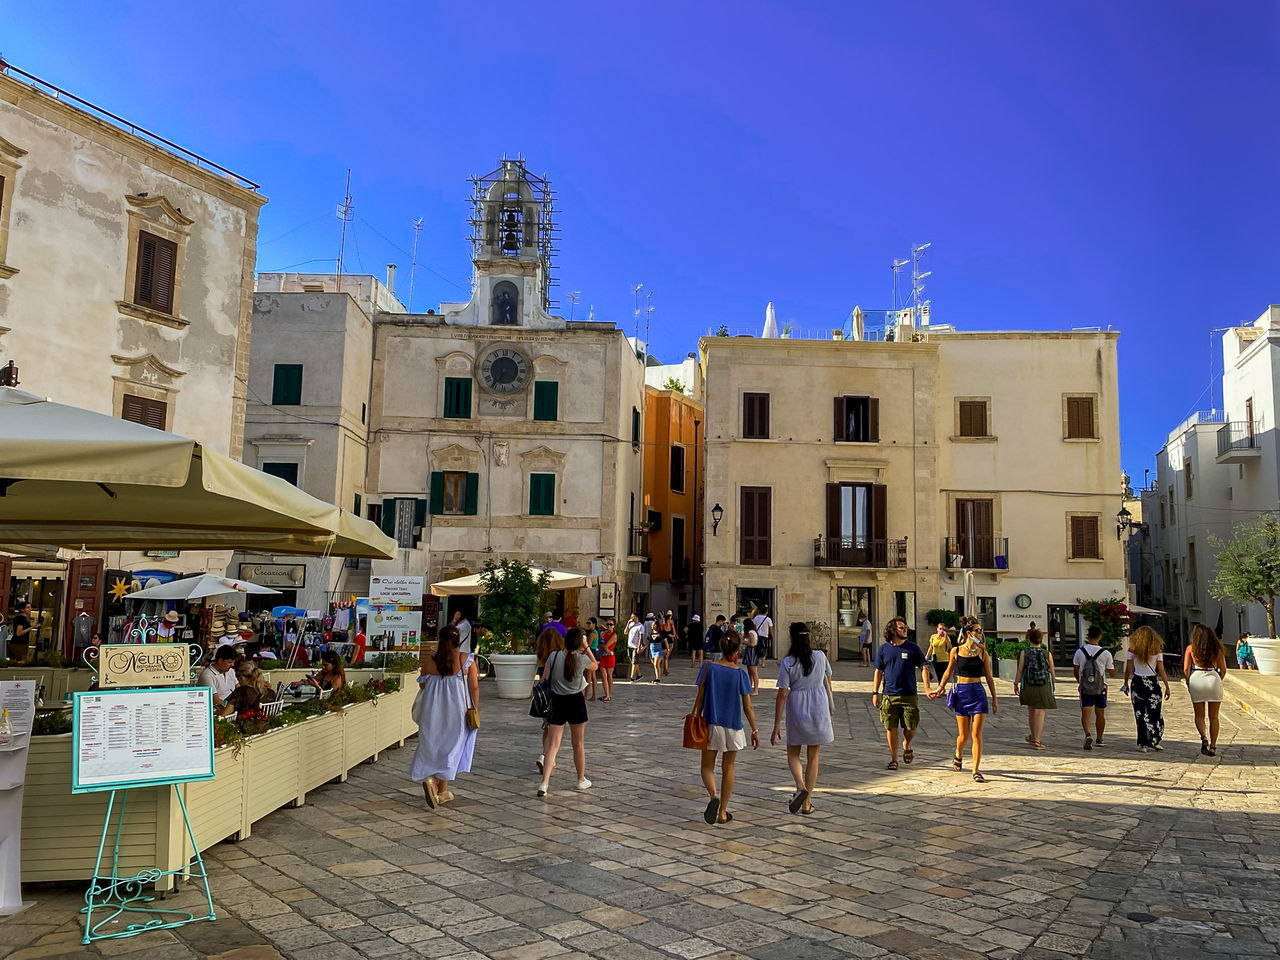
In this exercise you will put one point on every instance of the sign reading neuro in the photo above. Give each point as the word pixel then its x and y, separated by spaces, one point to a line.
pixel 144 664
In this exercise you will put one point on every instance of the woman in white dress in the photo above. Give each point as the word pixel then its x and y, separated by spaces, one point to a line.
pixel 806 697
pixel 450 687
pixel 1205 665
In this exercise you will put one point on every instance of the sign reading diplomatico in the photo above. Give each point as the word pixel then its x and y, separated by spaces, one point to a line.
pixel 144 665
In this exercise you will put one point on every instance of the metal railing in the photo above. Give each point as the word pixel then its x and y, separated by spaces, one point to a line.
pixel 1237 435
pixel 639 542
pixel 859 552
pixel 976 553
pixel 59 94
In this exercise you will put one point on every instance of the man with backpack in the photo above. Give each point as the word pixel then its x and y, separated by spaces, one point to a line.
pixel 1092 666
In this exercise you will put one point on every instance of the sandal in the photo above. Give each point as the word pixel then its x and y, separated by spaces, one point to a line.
pixel 978 778
pixel 429 788
pixel 713 807
pixel 957 764
pixel 604 699
pixel 805 811
pixel 893 765
pixel 797 800
pixel 728 818
pixel 908 754
pixel 1038 745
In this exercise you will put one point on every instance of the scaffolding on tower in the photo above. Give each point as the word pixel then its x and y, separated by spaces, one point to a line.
pixel 516 178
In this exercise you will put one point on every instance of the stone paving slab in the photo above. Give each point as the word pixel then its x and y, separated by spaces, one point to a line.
pixel 1048 859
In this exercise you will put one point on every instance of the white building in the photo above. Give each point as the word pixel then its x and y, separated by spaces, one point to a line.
pixel 1217 470
pixel 126 270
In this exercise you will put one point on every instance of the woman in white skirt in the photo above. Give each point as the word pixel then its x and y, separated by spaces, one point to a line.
pixel 1205 665
pixel 724 699
pixel 450 687
pixel 806 697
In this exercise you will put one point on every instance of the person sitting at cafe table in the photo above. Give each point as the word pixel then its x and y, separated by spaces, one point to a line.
pixel 330 676
pixel 218 675
pixel 252 692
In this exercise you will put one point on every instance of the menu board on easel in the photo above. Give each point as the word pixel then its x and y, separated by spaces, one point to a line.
pixel 139 738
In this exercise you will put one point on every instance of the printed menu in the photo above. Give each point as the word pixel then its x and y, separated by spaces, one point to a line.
pixel 136 737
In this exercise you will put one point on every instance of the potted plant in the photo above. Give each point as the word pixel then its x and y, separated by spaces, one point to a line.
pixel 1249 572
pixel 510 608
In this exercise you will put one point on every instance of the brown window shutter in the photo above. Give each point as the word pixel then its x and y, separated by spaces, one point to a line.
pixel 764 522
pixel 873 419
pixel 150 413
pixel 879 512
pixel 839 422
pixel 755 526
pixel 833 511
pixel 983 519
pixel 1 215
pixel 748 415
pixel 1091 536
pixel 763 416
pixel 1080 417
pixel 144 279
pixel 747 531
pixel 755 416
pixel 166 274
pixel 973 418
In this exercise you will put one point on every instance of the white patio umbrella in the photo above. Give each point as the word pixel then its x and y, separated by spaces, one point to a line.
pixel 770 323
pixel 473 586
pixel 71 478
pixel 193 588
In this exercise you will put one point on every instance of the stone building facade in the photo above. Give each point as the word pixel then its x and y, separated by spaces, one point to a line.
pixel 126 279
pixel 867 477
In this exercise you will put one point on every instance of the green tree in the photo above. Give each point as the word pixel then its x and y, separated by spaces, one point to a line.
pixel 1249 566
pixel 674 383
pixel 943 615
pixel 512 603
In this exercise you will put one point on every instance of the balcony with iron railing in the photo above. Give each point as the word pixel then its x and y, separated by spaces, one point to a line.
pixel 639 542
pixel 859 552
pixel 1238 442
pixel 976 553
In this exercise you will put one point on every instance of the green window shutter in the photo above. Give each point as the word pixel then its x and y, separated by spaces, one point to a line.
pixel 546 400
pixel 473 494
pixel 286 387
pixel 356 509
pixel 542 494
pixel 457 398
pixel 437 493
pixel 388 521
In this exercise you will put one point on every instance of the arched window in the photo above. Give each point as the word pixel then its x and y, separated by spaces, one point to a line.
pixel 505 304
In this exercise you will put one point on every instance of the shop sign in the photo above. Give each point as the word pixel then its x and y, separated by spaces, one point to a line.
pixel 290 576
pixel 391 628
pixel 144 665
pixel 608 599
pixel 395 591
pixel 163 554
pixel 88 581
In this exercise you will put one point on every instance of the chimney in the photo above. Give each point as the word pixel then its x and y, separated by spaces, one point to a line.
pixel 391 278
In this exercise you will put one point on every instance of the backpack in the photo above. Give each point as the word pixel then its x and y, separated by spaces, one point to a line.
pixel 1035 671
pixel 1092 680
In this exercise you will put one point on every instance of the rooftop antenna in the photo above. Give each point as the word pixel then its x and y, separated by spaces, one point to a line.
pixel 635 290
pixel 896 266
pixel 574 297
pixel 346 211
pixel 591 313
pixel 648 315
pixel 918 302
pixel 413 263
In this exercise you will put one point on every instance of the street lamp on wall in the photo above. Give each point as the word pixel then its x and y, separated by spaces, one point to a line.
pixel 1124 520
pixel 717 514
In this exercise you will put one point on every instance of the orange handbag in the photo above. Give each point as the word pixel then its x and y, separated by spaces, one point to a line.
pixel 695 732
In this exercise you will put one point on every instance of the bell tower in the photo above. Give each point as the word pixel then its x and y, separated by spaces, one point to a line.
pixel 512 240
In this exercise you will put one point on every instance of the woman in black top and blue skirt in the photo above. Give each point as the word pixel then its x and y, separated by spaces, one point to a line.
pixel 969 666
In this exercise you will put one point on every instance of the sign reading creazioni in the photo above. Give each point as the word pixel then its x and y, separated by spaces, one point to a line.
pixel 144 664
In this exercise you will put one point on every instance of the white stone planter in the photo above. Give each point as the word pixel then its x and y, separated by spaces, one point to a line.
pixel 514 673
pixel 1266 650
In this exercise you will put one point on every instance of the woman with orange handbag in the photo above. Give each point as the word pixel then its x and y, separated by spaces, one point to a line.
pixel 723 700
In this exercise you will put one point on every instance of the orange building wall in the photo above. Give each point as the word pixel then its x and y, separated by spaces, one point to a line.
pixel 673 418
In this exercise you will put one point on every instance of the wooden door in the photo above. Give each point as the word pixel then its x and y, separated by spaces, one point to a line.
pixel 84 595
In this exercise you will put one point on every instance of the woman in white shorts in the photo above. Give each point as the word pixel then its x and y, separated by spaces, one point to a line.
pixel 724 701
pixel 1205 665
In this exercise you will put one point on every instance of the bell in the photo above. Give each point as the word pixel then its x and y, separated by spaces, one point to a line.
pixel 510 233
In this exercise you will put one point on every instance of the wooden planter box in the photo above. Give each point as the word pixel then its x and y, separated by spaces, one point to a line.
pixel 60 831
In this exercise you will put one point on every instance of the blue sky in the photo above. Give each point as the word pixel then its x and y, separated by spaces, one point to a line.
pixel 1073 164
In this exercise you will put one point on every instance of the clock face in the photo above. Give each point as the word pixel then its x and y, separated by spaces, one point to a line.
pixel 504 370
pixel 1022 600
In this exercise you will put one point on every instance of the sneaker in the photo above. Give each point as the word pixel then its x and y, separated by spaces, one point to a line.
pixel 539 761
pixel 584 784
pixel 1158 746
pixel 1098 742
pixel 542 789
pixel 1088 742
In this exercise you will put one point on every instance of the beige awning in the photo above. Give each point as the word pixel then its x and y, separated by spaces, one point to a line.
pixel 72 477
pixel 472 585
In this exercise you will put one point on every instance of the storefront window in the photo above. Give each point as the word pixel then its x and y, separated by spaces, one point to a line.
pixel 851 603
pixel 45 596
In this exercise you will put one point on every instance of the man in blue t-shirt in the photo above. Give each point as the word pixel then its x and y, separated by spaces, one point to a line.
pixel 897 661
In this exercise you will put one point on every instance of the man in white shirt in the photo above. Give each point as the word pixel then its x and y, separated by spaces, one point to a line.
pixel 635 636
pixel 764 633
pixel 1092 666
pixel 218 675
pixel 463 626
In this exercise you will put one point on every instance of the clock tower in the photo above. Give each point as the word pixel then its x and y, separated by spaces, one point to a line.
pixel 512 240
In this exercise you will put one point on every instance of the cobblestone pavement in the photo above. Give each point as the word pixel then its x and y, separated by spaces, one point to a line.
pixel 1066 853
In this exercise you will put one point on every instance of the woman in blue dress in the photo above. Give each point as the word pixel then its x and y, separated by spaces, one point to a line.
pixel 723 700
pixel 445 744
pixel 805 694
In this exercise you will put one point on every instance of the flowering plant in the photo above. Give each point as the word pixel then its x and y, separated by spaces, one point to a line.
pixel 1110 616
